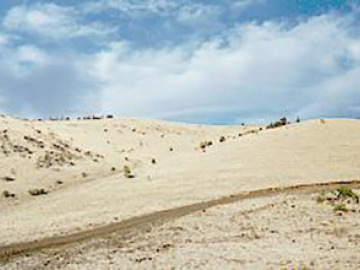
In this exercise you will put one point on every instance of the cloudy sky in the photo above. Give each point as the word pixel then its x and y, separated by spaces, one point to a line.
pixel 209 61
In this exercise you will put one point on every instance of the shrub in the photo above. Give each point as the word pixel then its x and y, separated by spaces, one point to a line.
pixel 345 192
pixel 282 122
pixel 153 161
pixel 203 145
pixel 340 208
pixel 113 169
pixel 127 172
pixel 37 192
pixel 222 139
pixel 84 174
pixel 320 199
pixel 8 194
pixel 9 179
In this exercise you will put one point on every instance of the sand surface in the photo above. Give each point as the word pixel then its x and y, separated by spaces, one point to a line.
pixel 283 231
pixel 80 164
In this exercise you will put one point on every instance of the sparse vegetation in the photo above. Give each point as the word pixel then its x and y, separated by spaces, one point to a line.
pixel 113 169
pixel 321 198
pixel 345 192
pixel 338 199
pixel 205 144
pixel 37 192
pixel 127 172
pixel 340 208
pixel 84 174
pixel 222 139
pixel 8 194
pixel 282 122
pixel 153 161
pixel 9 179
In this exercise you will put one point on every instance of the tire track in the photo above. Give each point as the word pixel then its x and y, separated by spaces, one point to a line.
pixel 142 223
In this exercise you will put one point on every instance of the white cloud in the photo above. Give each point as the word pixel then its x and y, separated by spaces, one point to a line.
pixel 199 14
pixel 160 7
pixel 262 70
pixel 51 20
pixel 252 71
pixel 243 4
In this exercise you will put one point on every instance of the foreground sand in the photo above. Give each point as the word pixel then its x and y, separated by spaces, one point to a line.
pixel 80 163
pixel 285 231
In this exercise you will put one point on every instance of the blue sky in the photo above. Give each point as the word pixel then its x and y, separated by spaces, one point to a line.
pixel 208 61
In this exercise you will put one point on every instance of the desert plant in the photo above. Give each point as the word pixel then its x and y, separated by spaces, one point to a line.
pixel 222 139
pixel 37 192
pixel 84 174
pixel 340 208
pixel 127 172
pixel 113 169
pixel 9 179
pixel 8 194
pixel 282 122
pixel 320 199
pixel 345 192
pixel 153 161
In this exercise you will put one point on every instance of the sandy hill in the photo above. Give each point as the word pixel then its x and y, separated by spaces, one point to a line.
pixel 79 164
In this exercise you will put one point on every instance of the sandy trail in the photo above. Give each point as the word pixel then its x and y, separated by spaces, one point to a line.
pixel 142 223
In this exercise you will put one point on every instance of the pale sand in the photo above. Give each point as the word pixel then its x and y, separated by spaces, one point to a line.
pixel 308 152
pixel 269 232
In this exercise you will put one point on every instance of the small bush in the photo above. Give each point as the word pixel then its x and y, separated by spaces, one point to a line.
pixel 340 208
pixel 113 169
pixel 127 172
pixel 345 192
pixel 282 122
pixel 37 192
pixel 153 161
pixel 320 199
pixel 8 194
pixel 84 174
pixel 9 179
pixel 222 139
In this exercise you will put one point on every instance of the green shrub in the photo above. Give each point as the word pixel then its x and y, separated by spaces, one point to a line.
pixel 320 199
pixel 345 192
pixel 37 192
pixel 340 208
pixel 127 172
pixel 8 194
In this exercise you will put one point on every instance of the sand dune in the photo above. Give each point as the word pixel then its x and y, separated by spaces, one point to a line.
pixel 80 165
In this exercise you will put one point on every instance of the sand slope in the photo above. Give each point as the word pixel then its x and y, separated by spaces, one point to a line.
pixel 73 160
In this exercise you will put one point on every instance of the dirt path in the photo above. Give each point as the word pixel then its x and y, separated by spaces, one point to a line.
pixel 142 223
